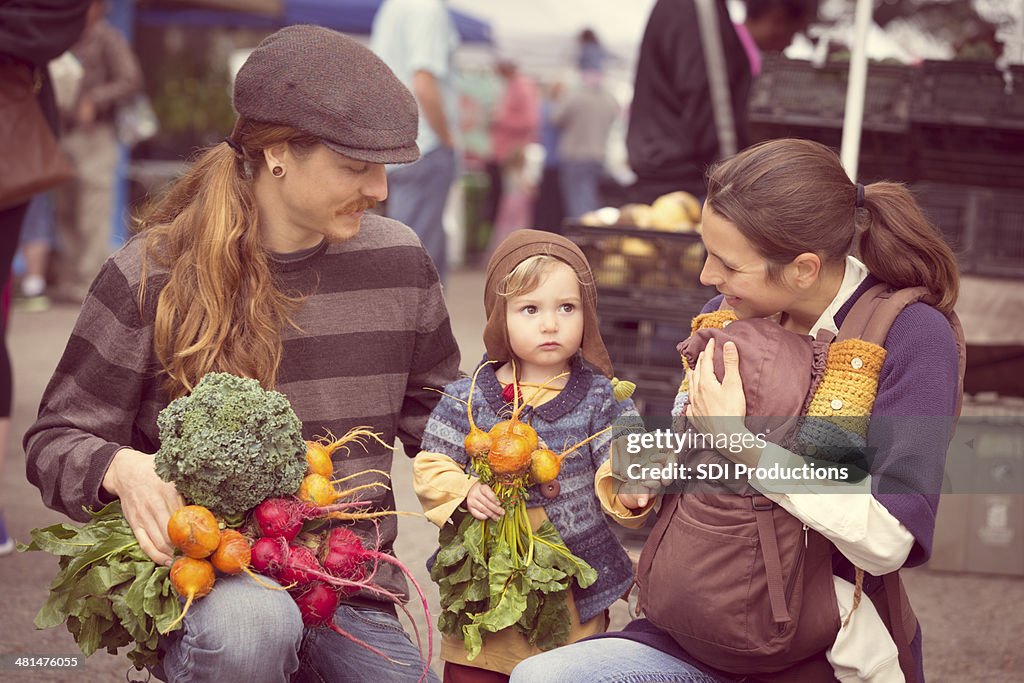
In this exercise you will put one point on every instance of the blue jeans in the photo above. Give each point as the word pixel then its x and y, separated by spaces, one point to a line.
pixel 607 660
pixel 245 632
pixel 580 181
pixel 416 196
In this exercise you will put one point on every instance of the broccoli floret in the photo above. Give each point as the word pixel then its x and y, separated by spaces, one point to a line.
pixel 230 444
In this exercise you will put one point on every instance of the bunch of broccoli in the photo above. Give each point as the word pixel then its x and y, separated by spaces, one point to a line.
pixel 230 444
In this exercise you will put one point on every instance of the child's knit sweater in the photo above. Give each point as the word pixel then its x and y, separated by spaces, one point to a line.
pixel 585 406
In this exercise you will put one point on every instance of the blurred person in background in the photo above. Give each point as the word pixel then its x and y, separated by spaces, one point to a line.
pixel 85 208
pixel 584 118
pixel 515 123
pixel 32 33
pixel 672 138
pixel 38 237
pixel 549 208
pixel 418 39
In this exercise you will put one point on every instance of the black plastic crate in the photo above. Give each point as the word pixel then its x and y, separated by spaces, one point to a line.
pixel 979 156
pixel 883 155
pixel 984 226
pixel 656 388
pixel 1000 242
pixel 962 93
pixel 796 92
pixel 647 342
pixel 653 270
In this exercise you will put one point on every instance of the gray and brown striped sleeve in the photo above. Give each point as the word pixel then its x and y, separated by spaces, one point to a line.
pixel 100 393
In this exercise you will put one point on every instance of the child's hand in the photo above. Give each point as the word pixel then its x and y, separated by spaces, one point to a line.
pixel 635 501
pixel 482 503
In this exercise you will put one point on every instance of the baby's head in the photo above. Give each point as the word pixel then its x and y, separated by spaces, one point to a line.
pixel 537 279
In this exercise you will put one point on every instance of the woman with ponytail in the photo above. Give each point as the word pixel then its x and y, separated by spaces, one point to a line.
pixel 261 262
pixel 790 237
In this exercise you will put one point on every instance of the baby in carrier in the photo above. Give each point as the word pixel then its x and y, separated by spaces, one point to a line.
pixel 787 380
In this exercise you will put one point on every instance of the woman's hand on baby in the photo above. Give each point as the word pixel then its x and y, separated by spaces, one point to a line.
pixel 715 407
pixel 482 503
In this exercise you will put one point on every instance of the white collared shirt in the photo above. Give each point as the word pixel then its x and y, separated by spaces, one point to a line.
pixel 854 275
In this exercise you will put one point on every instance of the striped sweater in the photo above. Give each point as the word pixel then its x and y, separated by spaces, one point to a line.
pixel 374 335
pixel 584 407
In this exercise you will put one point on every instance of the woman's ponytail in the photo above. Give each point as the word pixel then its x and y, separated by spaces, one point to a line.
pixel 902 248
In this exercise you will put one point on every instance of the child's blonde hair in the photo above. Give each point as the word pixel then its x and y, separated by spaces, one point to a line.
pixel 526 276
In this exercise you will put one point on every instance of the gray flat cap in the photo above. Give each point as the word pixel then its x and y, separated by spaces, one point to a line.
pixel 329 85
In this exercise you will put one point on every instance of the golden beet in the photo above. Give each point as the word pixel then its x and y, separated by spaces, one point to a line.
pixel 191 579
pixel 233 555
pixel 318 459
pixel 509 454
pixel 517 427
pixel 194 531
pixel 544 465
pixel 477 443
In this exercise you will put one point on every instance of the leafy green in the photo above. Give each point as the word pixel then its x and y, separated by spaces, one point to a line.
pixel 107 591
pixel 229 445
pixel 488 584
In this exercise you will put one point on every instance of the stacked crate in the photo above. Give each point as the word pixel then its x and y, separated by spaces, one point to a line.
pixel 648 289
pixel 953 130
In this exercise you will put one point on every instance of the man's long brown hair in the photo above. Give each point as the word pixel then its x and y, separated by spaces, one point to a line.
pixel 220 310
pixel 792 196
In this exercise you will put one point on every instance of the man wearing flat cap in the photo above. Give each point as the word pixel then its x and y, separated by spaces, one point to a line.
pixel 261 261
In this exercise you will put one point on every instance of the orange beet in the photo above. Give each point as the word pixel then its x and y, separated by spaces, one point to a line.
pixel 318 459
pixel 510 454
pixel 545 465
pixel 233 555
pixel 191 578
pixel 194 531
pixel 515 427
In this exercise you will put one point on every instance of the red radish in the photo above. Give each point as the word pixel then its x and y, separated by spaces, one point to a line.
pixel 283 517
pixel 347 549
pixel 276 518
pixel 191 579
pixel 269 555
pixel 317 604
pixel 342 555
pixel 300 568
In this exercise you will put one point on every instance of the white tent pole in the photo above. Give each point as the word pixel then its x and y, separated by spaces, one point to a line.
pixel 853 120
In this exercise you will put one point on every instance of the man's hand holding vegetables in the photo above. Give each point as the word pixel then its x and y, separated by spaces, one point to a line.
pixel 146 500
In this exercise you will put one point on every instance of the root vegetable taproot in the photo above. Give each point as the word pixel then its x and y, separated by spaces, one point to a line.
pixel 191 578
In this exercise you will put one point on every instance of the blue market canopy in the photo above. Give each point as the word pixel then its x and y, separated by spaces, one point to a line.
pixel 348 16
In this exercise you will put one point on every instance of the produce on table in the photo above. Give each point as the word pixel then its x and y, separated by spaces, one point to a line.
pixel 674 212
pixel 497 575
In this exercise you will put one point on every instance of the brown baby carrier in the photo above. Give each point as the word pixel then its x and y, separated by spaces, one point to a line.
pixel 738 582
